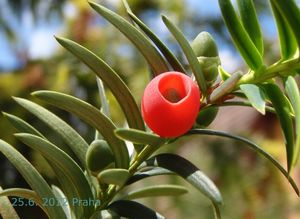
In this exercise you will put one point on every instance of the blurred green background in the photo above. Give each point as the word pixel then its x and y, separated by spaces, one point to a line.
pixel 30 59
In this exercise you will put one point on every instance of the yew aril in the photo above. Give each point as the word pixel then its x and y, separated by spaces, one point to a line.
pixel 170 104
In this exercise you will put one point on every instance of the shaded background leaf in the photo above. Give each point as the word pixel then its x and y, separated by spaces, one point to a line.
pixel 133 210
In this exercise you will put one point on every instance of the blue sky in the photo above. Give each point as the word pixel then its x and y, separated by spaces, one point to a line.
pixel 36 37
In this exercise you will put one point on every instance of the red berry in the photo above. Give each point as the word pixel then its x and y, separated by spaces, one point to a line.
pixel 170 104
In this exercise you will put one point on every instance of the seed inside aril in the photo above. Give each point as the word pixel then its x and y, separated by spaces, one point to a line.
pixel 172 95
